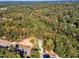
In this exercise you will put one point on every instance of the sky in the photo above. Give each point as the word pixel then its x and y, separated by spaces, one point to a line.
pixel 39 0
pixel 35 0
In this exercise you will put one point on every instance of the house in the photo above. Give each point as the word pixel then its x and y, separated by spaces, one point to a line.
pixel 2 9
pixel 25 44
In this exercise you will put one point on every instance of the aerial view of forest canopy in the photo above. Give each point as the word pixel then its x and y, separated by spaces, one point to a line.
pixel 56 24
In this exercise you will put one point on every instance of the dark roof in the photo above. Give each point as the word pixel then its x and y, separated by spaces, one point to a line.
pixel 46 56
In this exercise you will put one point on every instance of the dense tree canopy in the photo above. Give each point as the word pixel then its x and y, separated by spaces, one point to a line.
pixel 56 24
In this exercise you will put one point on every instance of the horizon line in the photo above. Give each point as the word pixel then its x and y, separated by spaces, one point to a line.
pixel 53 1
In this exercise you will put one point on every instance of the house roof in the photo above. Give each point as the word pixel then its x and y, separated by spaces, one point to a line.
pixel 4 43
pixel 25 42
